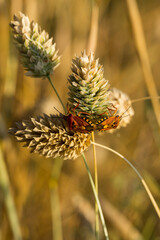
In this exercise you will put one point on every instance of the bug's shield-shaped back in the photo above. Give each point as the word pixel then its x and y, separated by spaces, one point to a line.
pixel 105 123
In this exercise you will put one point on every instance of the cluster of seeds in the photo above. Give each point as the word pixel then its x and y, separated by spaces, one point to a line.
pixel 49 136
pixel 91 104
pixel 37 51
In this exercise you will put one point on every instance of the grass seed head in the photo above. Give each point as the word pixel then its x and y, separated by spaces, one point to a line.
pixel 122 102
pixel 87 85
pixel 50 137
pixel 37 51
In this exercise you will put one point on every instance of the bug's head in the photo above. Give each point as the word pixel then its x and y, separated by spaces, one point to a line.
pixel 70 120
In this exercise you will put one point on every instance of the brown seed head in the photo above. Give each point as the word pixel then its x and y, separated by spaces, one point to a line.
pixel 122 102
pixel 49 136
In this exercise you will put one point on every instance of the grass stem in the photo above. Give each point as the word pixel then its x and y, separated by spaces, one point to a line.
pixel 56 92
pixel 143 99
pixel 138 33
pixel 96 187
pixel 97 199
pixel 8 199
pixel 92 41
pixel 55 203
pixel 138 174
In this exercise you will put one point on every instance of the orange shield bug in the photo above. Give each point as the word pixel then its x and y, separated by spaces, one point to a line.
pixel 112 122
pixel 77 123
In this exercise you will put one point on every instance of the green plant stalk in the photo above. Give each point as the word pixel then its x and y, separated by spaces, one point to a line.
pixel 138 174
pixel 56 93
pixel 8 199
pixel 96 187
pixel 97 199
pixel 56 218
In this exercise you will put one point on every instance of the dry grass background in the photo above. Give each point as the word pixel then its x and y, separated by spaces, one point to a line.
pixel 123 197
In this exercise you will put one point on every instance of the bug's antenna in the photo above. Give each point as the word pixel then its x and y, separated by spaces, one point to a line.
pixel 125 116
pixel 126 111
pixel 57 110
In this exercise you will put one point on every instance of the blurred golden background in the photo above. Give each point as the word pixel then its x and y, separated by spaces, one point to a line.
pixel 32 177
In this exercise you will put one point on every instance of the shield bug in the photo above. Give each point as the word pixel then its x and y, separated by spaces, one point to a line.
pixel 109 122
pixel 76 123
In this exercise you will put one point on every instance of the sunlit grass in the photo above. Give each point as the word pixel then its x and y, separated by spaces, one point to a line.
pixel 29 175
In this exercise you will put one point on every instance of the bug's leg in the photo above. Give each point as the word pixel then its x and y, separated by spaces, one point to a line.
pixel 84 113
pixel 103 114
pixel 75 107
pixel 113 106
pixel 112 110
pixel 69 110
